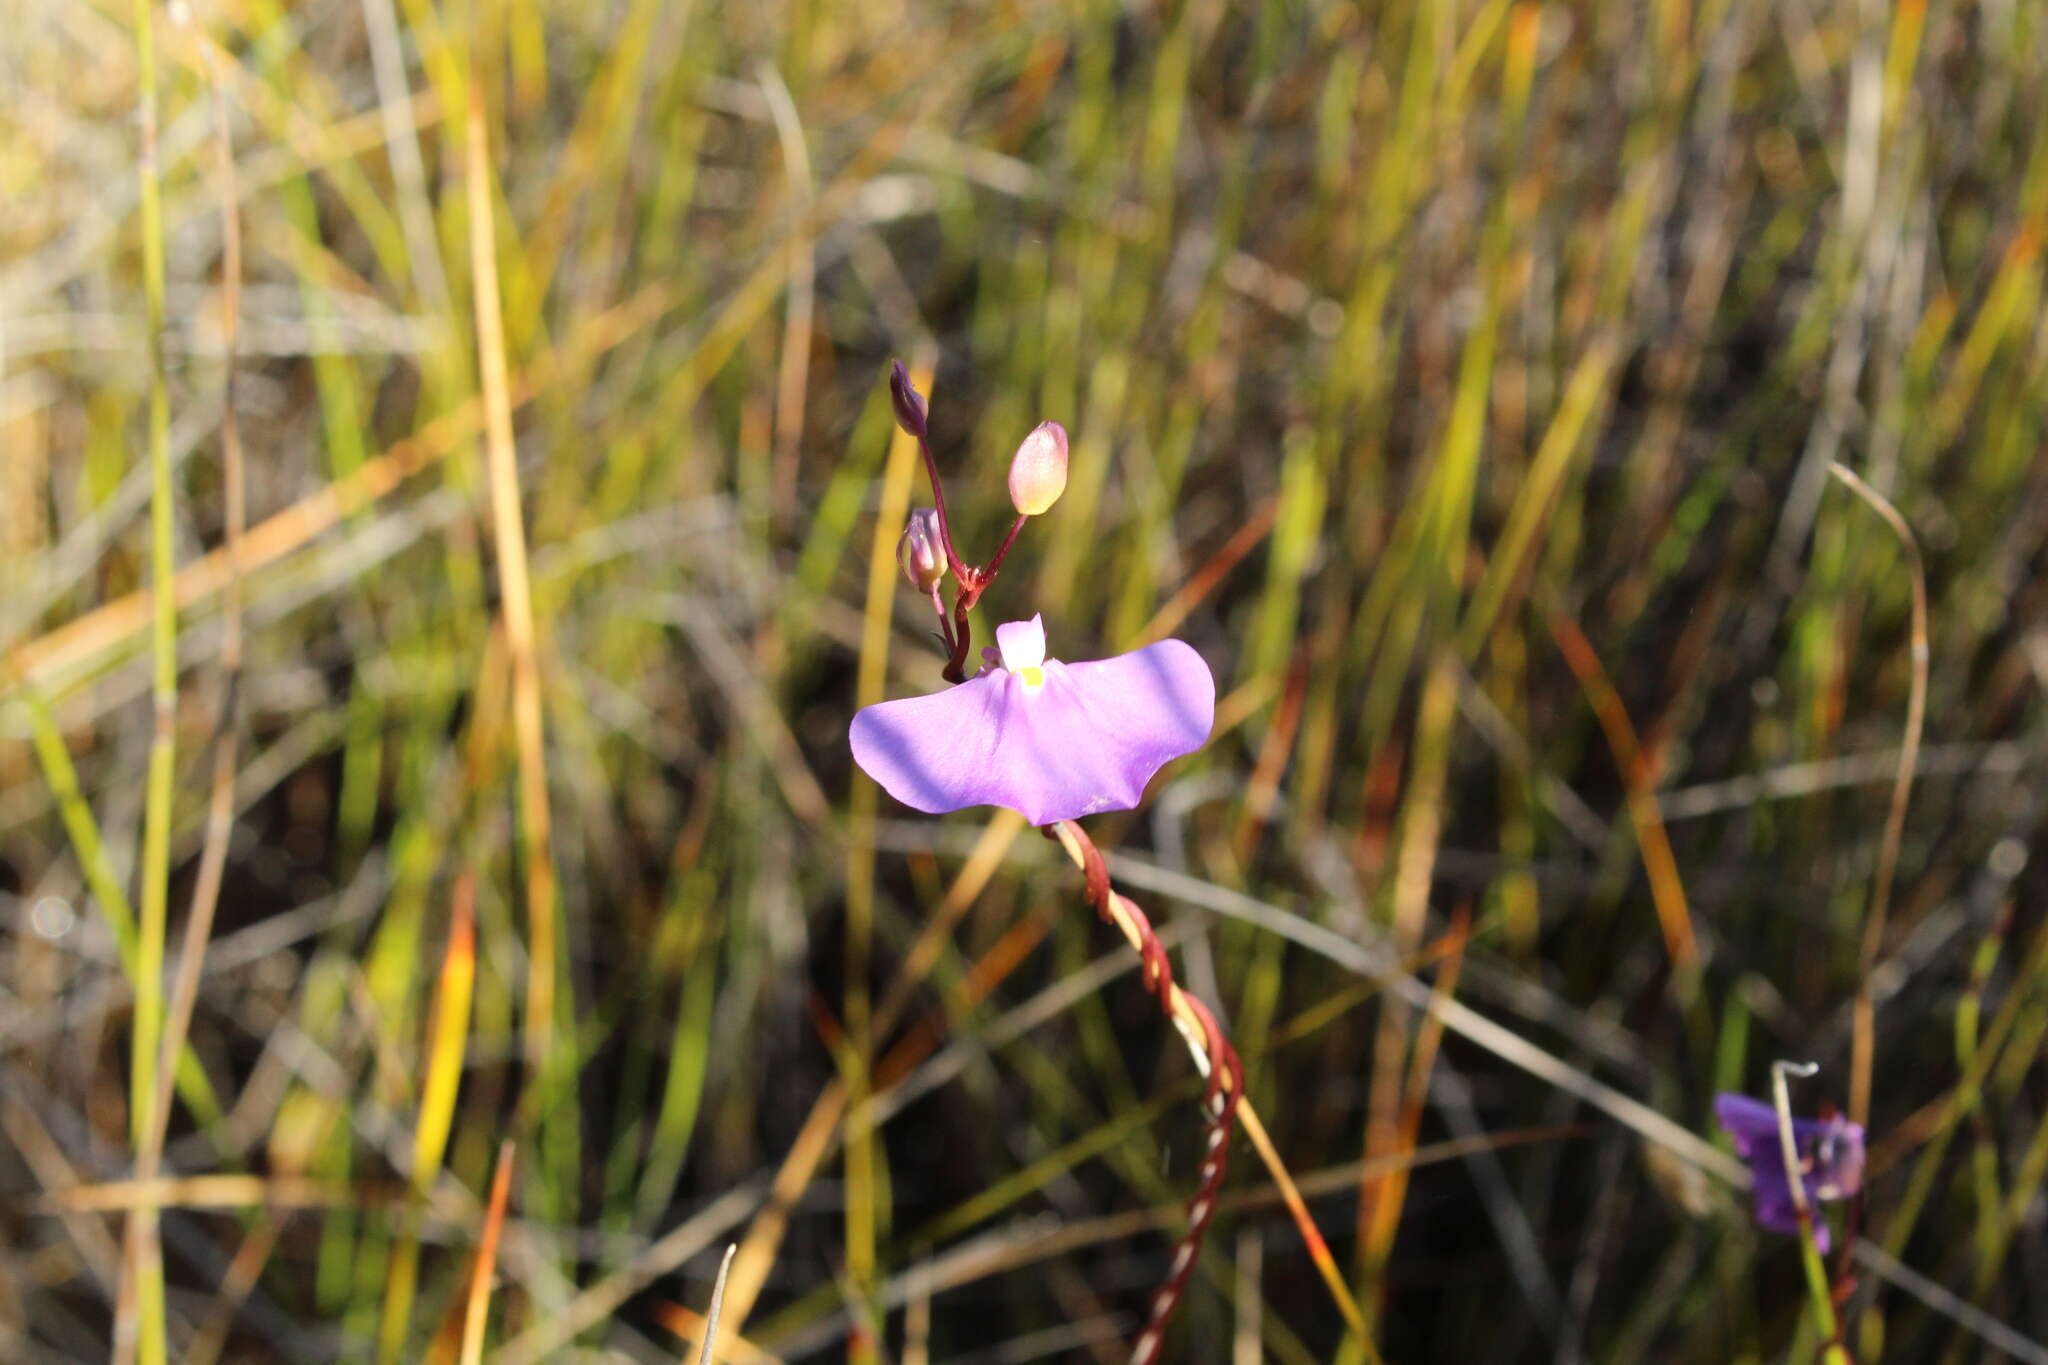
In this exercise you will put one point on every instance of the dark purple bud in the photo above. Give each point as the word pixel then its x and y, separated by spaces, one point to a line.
pixel 921 552
pixel 909 402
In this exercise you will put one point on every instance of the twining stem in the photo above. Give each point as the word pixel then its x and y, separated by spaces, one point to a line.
pixel 1225 1100
pixel 1213 1055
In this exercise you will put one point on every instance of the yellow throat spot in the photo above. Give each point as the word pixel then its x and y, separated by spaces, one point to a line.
pixel 1034 678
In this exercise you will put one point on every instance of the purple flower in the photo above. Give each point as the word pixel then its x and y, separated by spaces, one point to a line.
pixel 1830 1160
pixel 1049 740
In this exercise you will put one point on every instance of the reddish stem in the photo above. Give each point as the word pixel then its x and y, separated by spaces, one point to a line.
pixel 963 602
pixel 988 574
pixel 945 626
pixel 1226 1083
pixel 973 581
pixel 931 470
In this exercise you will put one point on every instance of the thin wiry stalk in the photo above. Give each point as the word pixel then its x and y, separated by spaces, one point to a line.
pixel 709 1352
pixel 1795 1178
pixel 1863 1049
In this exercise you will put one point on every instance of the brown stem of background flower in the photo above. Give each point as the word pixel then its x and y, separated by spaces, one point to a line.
pixel 1213 1054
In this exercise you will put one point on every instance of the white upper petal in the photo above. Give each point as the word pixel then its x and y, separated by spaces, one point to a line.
pixel 1022 643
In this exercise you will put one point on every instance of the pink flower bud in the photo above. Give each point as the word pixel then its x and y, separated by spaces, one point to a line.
pixel 1038 471
pixel 921 553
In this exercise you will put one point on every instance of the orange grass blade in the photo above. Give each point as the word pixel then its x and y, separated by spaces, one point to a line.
pixel 1392 1193
pixel 1305 1224
pixel 1640 777
pixel 757 1252
pixel 486 1267
pixel 1204 580
pixel 1380 1200
pixel 688 1325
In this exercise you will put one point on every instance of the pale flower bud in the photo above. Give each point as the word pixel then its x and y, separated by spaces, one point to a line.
pixel 921 552
pixel 1038 471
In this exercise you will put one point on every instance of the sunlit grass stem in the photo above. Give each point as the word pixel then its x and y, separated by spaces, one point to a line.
pixel 144 1250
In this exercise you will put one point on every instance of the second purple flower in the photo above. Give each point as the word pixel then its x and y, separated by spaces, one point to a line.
pixel 1830 1160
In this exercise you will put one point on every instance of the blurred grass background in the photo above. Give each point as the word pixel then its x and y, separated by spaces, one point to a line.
pixel 1461 380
